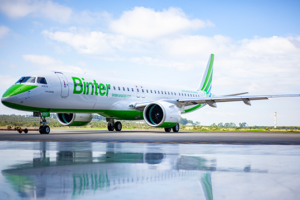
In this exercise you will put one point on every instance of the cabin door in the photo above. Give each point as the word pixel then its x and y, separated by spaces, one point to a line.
pixel 64 84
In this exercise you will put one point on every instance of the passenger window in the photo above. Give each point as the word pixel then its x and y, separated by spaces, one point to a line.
pixel 165 92
pixel 179 94
pixel 41 80
pixel 119 88
pixel 151 91
pixel 158 92
pixel 137 90
pixel 142 90
pixel 147 90
pixel 114 88
pixel 168 93
pixel 128 89
pixel 155 91
pixel 132 89
pixel 108 87
pixel 171 93
pixel 102 86
pixel 123 89
pixel 184 94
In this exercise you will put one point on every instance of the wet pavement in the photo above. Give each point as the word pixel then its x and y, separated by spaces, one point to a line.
pixel 85 170
pixel 157 136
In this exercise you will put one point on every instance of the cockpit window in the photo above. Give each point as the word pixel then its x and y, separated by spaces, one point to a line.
pixel 26 79
pixel 41 80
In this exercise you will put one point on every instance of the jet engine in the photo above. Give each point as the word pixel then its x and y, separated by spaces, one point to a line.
pixel 162 114
pixel 74 119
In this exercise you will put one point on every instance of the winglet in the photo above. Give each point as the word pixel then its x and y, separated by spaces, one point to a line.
pixel 206 82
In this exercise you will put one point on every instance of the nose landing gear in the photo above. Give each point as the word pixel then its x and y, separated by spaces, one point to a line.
pixel 44 128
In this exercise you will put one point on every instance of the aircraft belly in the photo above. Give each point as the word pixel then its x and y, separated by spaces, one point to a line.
pixel 117 108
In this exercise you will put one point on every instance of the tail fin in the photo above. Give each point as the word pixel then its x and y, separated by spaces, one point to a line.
pixel 206 82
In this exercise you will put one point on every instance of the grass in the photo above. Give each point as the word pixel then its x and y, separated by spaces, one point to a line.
pixel 184 128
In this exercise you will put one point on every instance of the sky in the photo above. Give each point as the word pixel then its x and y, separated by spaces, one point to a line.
pixel 256 46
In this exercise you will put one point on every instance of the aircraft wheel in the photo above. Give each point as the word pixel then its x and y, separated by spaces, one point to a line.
pixel 176 128
pixel 25 130
pixel 41 130
pixel 168 129
pixel 46 129
pixel 20 131
pixel 110 127
pixel 118 126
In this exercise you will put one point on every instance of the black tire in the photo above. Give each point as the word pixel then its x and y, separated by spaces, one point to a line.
pixel 118 126
pixel 176 128
pixel 19 131
pixel 168 129
pixel 110 127
pixel 41 130
pixel 46 129
pixel 25 130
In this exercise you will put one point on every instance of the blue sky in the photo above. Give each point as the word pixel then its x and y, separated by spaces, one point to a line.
pixel 256 46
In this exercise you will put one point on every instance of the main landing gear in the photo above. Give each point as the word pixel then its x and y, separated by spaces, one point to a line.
pixel 44 128
pixel 175 128
pixel 111 126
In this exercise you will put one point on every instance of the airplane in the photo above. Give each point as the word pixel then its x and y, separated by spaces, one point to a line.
pixel 75 97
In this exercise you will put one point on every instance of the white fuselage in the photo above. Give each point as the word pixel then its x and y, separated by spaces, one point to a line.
pixel 66 92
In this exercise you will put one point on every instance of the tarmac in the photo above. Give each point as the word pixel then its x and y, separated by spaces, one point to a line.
pixel 159 136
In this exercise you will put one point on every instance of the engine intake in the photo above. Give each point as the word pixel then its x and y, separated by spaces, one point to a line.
pixel 74 119
pixel 162 114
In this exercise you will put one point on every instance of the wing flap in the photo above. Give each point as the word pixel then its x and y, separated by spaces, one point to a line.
pixel 211 101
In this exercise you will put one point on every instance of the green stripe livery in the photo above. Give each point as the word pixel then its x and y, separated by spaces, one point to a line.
pixel 208 79
pixel 18 89
pixel 84 87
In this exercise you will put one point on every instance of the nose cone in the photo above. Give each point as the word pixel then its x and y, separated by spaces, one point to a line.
pixel 9 97
pixel 6 101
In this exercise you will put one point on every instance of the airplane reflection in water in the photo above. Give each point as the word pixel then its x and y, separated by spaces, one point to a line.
pixel 83 173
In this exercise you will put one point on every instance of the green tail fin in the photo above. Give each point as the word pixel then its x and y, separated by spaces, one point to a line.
pixel 206 83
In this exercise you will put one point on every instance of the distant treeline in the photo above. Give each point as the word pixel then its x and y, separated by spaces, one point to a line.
pixel 100 122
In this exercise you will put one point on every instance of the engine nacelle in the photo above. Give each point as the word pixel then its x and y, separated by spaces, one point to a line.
pixel 162 114
pixel 74 119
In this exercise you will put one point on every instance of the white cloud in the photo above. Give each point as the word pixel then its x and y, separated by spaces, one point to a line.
pixel 147 23
pixel 46 62
pixel 86 43
pixel 273 62
pixel 3 31
pixel 149 38
pixel 47 9
pixel 161 63
pixel 93 42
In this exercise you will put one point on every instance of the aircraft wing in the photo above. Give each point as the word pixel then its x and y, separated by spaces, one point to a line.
pixel 211 101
